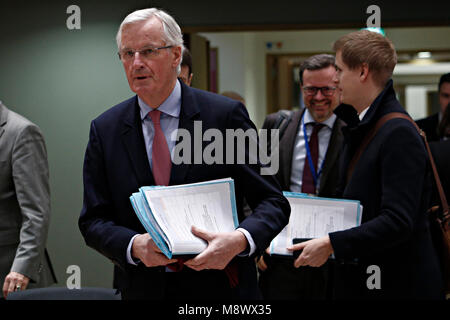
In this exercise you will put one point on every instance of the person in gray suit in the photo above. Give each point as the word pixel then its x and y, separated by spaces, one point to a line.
pixel 279 279
pixel 24 205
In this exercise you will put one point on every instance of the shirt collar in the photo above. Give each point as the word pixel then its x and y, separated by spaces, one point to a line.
pixel 171 106
pixel 363 113
pixel 329 122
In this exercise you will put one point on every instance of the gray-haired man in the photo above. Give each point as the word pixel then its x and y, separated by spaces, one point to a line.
pixel 120 159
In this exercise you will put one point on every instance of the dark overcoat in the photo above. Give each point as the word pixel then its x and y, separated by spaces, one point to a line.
pixel 393 183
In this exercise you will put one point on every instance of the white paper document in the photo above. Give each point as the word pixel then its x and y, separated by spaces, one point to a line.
pixel 315 217
pixel 168 213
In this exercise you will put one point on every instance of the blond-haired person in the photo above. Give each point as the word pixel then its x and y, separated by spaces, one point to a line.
pixel 390 256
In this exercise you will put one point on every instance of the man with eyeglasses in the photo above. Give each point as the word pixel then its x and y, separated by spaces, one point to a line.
pixel 312 136
pixel 129 147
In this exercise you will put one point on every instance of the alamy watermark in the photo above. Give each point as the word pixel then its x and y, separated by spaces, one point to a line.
pixel 74 280
pixel 235 146
pixel 374 280
pixel 374 20
pixel 73 22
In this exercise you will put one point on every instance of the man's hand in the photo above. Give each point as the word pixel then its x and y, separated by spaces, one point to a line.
pixel 147 251
pixel 261 263
pixel 222 247
pixel 14 281
pixel 315 252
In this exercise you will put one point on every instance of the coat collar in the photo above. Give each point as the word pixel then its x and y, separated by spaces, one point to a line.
pixel 134 139
pixel 348 114
pixel 3 114
pixel 287 144
pixel 188 114
pixel 3 117
pixel 374 112
pixel 189 105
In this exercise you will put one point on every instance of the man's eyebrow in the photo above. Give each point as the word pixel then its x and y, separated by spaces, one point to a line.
pixel 147 46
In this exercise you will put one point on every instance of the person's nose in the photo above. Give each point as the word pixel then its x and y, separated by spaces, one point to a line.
pixel 336 78
pixel 319 95
pixel 137 60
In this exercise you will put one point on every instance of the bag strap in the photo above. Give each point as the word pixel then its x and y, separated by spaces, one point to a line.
pixel 373 132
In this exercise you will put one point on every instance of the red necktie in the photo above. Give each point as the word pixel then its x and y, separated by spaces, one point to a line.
pixel 308 180
pixel 161 162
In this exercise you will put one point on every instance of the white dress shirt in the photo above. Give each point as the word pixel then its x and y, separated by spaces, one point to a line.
pixel 363 113
pixel 299 153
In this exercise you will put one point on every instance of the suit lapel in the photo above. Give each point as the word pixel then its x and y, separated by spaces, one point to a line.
pixel 188 114
pixel 3 116
pixel 433 127
pixel 133 140
pixel 332 152
pixel 287 145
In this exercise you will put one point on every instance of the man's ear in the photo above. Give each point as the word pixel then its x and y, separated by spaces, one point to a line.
pixel 177 54
pixel 364 72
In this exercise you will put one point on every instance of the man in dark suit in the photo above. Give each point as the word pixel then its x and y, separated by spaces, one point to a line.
pixel 129 147
pixel 441 154
pixel 430 124
pixel 279 279
pixel 387 256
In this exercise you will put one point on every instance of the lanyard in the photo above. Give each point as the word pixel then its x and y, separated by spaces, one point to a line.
pixel 308 154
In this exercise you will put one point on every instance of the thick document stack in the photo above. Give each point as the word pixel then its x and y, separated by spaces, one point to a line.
pixel 168 213
pixel 315 217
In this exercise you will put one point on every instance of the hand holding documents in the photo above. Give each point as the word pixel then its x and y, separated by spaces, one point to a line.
pixel 314 252
pixel 222 248
pixel 169 212
pixel 146 251
pixel 315 217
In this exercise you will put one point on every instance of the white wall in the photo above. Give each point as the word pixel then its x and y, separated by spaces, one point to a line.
pixel 242 66
pixel 255 75
pixel 231 62
pixel 416 98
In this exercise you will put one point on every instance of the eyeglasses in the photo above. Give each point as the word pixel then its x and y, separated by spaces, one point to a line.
pixel 146 53
pixel 326 91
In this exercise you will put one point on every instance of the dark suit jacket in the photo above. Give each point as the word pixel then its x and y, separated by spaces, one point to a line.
pixel 330 171
pixel 282 280
pixel 430 125
pixel 441 154
pixel 392 181
pixel 116 165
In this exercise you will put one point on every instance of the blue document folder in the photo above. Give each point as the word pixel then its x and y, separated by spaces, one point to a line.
pixel 168 213
pixel 315 217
